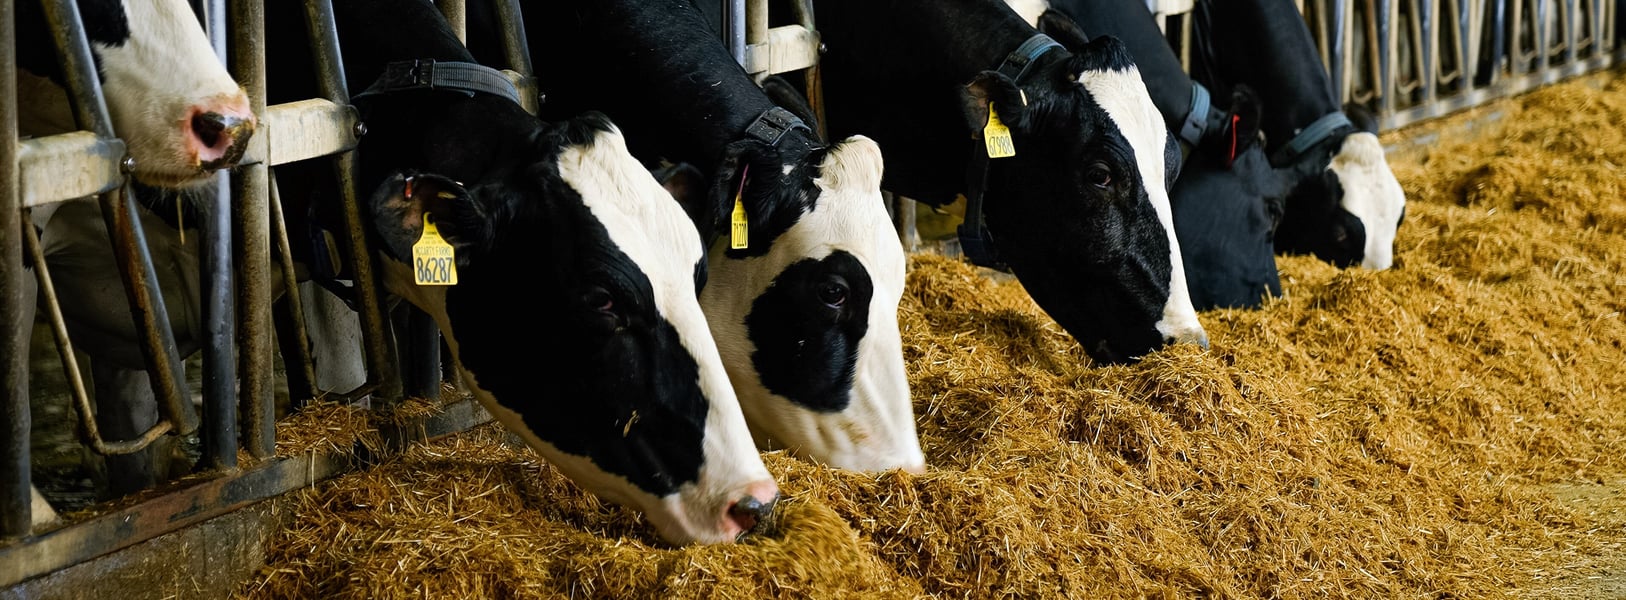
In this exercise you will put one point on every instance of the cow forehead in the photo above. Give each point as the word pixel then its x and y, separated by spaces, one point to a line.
pixel 849 220
pixel 641 217
pixel 1123 96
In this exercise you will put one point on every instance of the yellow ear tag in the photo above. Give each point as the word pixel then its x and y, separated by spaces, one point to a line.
pixel 997 136
pixel 432 260
pixel 738 237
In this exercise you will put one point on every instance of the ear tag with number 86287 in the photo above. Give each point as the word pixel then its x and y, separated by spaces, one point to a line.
pixel 433 262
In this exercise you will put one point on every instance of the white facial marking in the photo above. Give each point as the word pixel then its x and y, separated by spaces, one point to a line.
pixel 1124 97
pixel 1372 194
pixel 1029 10
pixel 651 229
pixel 156 80
pixel 877 429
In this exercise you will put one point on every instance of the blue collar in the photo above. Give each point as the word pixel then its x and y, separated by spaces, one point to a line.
pixel 1017 62
pixel 1311 136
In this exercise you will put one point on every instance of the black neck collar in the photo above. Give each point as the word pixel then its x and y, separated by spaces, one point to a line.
pixel 429 74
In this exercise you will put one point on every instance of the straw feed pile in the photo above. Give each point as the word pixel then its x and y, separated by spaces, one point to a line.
pixel 1389 434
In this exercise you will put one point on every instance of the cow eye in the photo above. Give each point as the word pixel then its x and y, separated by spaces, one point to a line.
pixel 833 293
pixel 1099 175
pixel 598 299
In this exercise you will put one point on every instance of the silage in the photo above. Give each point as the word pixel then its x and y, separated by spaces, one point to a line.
pixel 1368 434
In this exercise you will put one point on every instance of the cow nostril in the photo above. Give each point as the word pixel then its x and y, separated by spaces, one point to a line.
pixel 751 514
pixel 208 127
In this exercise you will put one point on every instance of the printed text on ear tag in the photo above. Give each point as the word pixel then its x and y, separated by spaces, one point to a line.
pixel 997 136
pixel 740 229
pixel 432 260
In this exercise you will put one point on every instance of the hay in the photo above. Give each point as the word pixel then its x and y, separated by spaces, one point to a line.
pixel 1366 435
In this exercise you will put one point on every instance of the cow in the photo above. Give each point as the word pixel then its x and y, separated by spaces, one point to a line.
pixel 1080 214
pixel 1227 197
pixel 804 308
pixel 182 118
pixel 1346 205
pixel 180 114
pixel 574 316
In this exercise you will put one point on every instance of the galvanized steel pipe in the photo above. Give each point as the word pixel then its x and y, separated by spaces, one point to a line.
pixel 16 506
pixel 219 438
pixel 252 215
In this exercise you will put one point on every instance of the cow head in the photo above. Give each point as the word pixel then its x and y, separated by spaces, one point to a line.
pixel 1347 206
pixel 1081 213
pixel 806 317
pixel 179 113
pixel 575 319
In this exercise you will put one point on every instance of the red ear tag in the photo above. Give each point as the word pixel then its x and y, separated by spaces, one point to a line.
pixel 1232 158
pixel 408 191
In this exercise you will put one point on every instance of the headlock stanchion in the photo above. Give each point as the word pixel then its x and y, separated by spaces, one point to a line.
pixel 219 436
pixel 15 509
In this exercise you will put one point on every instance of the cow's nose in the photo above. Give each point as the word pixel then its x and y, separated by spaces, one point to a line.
pixel 751 512
pixel 1199 338
pixel 220 139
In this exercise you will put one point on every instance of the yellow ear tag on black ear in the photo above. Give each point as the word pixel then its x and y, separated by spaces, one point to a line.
pixel 739 233
pixel 433 262
pixel 997 136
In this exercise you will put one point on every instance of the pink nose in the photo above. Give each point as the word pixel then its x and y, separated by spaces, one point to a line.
pixel 218 134
pixel 753 512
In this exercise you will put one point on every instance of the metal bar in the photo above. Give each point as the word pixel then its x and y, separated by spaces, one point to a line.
pixel 199 500
pixel 16 324
pixel 304 129
pixel 219 437
pixel 420 347
pixel 301 373
pixel 736 30
pixel 1341 32
pixel 456 14
pixel 1385 42
pixel 517 49
pixel 89 431
pixel 251 215
pixel 330 72
pixel 67 166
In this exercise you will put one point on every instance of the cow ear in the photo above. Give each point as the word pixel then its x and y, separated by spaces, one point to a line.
pixel 1064 30
pixel 1241 121
pixel 401 202
pixel 687 185
pixel 789 98
pixel 1362 117
pixel 764 162
pixel 993 87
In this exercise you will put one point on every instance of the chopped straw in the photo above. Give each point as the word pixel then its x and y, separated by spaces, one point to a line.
pixel 1368 434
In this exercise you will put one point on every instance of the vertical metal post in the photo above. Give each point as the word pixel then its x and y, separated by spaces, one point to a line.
pixel 1386 53
pixel 15 325
pixel 456 14
pixel 252 214
pixel 219 439
pixel 294 339
pixel 517 49
pixel 1338 49
pixel 330 72
pixel 1428 24
pixel 736 30
pixel 147 310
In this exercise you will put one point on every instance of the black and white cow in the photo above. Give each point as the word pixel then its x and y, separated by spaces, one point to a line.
pixel 182 117
pixel 1081 213
pixel 1227 197
pixel 574 318
pixel 806 313
pixel 1347 204
pixel 180 114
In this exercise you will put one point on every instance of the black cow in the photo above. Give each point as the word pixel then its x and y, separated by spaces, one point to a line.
pixel 1081 213
pixel 1227 197
pixel 574 318
pixel 806 313
pixel 1346 204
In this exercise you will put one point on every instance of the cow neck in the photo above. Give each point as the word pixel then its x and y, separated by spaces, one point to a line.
pixel 975 240
pixel 428 74
pixel 1269 49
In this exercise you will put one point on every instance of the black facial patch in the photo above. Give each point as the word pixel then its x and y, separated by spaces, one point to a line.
pixel 806 327
pixel 562 327
pixel 1315 222
pixel 105 24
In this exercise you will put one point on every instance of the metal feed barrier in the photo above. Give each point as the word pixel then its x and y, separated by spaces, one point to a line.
pixel 1408 60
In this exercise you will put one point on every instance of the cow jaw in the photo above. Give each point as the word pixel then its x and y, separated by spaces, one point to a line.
pixel 1372 194
pixel 1122 94
pixel 165 81
pixel 846 403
